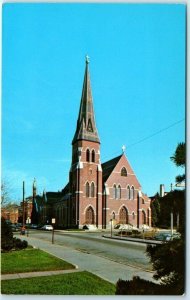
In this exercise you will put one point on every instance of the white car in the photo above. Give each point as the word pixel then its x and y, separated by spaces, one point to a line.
pixel 47 227
pixel 123 226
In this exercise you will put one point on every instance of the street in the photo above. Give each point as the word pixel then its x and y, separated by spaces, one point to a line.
pixel 110 259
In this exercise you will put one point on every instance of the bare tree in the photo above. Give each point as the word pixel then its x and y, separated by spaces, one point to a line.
pixel 5 192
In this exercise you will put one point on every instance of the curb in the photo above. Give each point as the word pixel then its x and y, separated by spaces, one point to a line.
pixel 76 266
pixel 123 239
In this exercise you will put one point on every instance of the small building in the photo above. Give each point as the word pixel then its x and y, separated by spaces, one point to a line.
pixel 10 213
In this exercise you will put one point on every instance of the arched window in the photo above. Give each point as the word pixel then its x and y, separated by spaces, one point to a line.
pixel 92 189
pixel 87 189
pixel 88 155
pixel 128 193
pixel 119 192
pixel 123 172
pixel 132 193
pixel 114 191
pixel 93 156
pixel 143 217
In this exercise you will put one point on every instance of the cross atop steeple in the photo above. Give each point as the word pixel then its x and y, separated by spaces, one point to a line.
pixel 86 126
pixel 87 59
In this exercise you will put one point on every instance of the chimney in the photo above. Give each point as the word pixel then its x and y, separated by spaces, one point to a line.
pixel 162 190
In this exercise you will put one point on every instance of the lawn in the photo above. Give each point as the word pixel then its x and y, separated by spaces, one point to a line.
pixel 79 283
pixel 30 260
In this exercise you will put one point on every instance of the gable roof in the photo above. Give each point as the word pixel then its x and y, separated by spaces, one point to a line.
pixel 108 167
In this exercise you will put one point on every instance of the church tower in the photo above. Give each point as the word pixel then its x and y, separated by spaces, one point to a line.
pixel 34 188
pixel 85 181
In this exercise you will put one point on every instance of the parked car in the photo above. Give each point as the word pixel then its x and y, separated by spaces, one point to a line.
pixel 164 236
pixel 14 228
pixel 47 227
pixel 33 226
pixel 19 225
pixel 123 226
pixel 89 227
pixel 145 227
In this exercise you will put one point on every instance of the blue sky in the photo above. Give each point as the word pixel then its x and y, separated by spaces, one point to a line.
pixel 137 70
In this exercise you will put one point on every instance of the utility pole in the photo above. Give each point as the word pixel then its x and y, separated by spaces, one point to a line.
pixel 23 217
pixel 172 223
pixel 177 221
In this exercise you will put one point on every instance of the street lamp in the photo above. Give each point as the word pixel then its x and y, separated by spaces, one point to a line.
pixel 172 223
pixel 111 227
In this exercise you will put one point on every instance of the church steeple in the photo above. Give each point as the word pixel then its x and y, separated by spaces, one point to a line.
pixel 86 126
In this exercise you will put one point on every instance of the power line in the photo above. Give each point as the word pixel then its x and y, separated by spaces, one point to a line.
pixel 157 132
pixel 152 135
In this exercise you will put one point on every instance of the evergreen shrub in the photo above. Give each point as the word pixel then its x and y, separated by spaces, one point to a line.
pixel 138 286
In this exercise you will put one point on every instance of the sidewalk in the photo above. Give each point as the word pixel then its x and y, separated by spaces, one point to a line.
pixel 36 274
pixel 100 266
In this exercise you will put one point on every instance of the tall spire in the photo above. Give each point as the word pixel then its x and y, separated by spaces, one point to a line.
pixel 86 126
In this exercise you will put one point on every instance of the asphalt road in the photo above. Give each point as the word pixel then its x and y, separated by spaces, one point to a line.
pixel 109 259
pixel 123 252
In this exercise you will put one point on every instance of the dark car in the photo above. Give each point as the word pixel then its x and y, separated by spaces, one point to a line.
pixel 33 226
pixel 164 236
pixel 14 228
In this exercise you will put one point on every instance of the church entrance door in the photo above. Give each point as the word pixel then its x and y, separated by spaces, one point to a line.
pixel 90 216
pixel 123 216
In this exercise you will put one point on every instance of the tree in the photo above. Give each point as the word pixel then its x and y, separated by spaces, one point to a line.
pixel 5 193
pixel 8 242
pixel 138 286
pixel 174 202
pixel 155 209
pixel 179 159
pixel 168 261
pixel 6 236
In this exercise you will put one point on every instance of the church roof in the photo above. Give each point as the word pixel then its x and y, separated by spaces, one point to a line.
pixel 86 126
pixel 108 167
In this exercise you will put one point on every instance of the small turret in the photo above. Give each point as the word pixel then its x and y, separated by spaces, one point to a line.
pixel 34 188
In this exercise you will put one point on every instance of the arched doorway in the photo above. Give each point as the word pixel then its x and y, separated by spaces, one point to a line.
pixel 90 215
pixel 143 217
pixel 123 216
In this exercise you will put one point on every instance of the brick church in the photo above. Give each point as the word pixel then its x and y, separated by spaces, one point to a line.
pixel 96 193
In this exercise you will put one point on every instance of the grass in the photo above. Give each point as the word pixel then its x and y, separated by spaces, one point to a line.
pixel 31 260
pixel 79 283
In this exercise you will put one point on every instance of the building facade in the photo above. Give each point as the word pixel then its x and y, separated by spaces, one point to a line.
pixel 96 194
pixel 99 193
